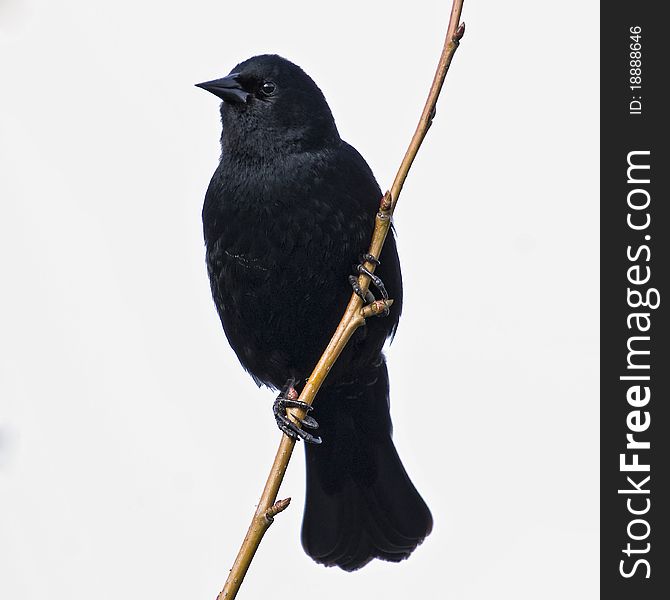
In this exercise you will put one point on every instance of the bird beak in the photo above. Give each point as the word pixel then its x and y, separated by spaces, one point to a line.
pixel 227 88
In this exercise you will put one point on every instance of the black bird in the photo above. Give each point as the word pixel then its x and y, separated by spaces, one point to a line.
pixel 287 213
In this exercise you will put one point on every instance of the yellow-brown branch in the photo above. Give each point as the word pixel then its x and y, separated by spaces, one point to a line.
pixel 354 316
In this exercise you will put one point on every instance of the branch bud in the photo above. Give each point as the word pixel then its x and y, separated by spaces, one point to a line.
pixel 276 508
pixel 376 308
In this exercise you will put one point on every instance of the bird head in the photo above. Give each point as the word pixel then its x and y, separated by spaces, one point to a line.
pixel 271 105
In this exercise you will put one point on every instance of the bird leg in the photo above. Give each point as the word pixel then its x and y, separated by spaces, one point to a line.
pixel 288 399
pixel 368 296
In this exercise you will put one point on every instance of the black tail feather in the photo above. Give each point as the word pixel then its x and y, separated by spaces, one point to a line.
pixel 360 503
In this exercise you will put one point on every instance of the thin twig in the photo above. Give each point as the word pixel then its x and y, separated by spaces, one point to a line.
pixel 354 316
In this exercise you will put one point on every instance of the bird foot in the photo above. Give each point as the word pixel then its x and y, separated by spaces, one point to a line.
pixel 367 296
pixel 288 399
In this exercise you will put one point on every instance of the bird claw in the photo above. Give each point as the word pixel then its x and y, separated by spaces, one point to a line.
pixel 368 297
pixel 291 429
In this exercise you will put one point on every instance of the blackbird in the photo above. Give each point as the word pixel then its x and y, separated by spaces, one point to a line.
pixel 289 210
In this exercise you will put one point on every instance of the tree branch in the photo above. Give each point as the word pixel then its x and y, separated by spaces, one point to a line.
pixel 354 316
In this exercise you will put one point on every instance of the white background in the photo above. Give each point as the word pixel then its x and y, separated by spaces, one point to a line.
pixel 132 445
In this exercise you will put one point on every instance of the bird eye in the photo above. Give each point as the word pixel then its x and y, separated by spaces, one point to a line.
pixel 268 88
